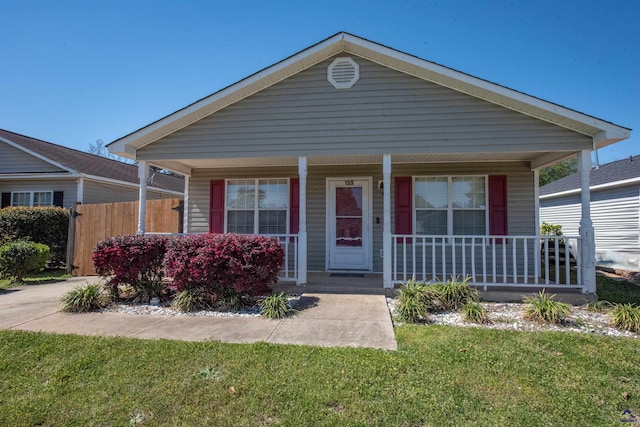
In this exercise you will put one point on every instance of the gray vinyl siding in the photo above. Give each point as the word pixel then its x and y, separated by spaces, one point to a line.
pixel 386 111
pixel 521 219
pixel 100 192
pixel 615 213
pixel 68 186
pixel 17 161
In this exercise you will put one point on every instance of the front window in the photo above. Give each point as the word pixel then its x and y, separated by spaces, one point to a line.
pixel 450 205
pixel 32 198
pixel 257 206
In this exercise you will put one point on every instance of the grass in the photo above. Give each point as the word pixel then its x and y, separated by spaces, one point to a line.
pixel 626 316
pixel 276 306
pixel 43 276
pixel 89 297
pixel 439 376
pixel 543 308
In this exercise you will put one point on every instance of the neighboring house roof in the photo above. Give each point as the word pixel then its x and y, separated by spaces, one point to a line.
pixel 88 165
pixel 620 172
pixel 602 132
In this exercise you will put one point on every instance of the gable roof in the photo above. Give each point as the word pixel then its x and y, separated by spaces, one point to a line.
pixel 86 164
pixel 602 132
pixel 615 173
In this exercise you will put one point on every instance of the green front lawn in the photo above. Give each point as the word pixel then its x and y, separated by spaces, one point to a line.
pixel 439 376
pixel 43 276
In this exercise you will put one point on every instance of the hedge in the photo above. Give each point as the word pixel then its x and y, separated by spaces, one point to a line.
pixel 46 225
pixel 19 258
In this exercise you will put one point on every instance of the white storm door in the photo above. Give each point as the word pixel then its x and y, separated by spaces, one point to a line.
pixel 349 224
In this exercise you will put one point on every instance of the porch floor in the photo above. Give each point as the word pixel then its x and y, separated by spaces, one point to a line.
pixel 371 284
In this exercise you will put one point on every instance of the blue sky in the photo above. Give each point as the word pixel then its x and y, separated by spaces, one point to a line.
pixel 72 72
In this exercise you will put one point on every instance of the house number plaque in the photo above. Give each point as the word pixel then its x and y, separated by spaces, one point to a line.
pixel 348 182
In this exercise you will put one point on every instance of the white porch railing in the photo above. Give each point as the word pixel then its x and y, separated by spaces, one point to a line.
pixel 532 261
pixel 288 242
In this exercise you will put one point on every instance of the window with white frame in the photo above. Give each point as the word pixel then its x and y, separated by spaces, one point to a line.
pixel 32 198
pixel 453 205
pixel 257 206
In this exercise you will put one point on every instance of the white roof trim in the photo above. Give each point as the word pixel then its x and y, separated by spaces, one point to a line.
pixel 40 175
pixel 593 188
pixel 39 156
pixel 605 133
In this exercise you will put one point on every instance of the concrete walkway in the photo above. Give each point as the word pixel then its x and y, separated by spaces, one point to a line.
pixel 328 320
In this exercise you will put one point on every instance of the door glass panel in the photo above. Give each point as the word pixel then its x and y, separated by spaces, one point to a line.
pixel 349 216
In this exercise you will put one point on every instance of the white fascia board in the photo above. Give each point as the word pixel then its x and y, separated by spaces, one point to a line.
pixel 39 156
pixel 124 144
pixel 42 175
pixel 128 184
pixel 593 188
pixel 613 131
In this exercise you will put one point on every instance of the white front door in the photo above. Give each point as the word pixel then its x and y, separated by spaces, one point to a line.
pixel 349 224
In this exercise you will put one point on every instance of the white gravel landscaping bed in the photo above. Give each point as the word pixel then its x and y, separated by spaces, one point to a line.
pixel 508 316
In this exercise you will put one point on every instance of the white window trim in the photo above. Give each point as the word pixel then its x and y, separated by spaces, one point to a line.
pixel 32 196
pixel 256 211
pixel 450 208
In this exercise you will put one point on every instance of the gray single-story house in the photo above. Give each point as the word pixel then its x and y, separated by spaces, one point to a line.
pixel 615 211
pixel 39 173
pixel 362 158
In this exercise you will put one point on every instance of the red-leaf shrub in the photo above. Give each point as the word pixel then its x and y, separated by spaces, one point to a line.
pixel 130 259
pixel 213 262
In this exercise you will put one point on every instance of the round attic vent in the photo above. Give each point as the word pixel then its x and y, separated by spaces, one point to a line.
pixel 343 73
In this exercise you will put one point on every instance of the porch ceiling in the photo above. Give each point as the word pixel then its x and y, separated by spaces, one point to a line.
pixel 185 165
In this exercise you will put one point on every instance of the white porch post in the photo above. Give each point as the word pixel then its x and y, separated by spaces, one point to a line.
pixel 80 191
pixel 185 208
pixel 536 196
pixel 386 222
pixel 588 246
pixel 143 176
pixel 302 229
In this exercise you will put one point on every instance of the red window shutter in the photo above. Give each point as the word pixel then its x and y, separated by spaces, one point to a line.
pixel 216 207
pixel 498 205
pixel 294 205
pixel 404 208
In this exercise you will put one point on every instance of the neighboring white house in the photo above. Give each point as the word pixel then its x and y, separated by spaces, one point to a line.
pixel 615 211
pixel 362 158
pixel 39 173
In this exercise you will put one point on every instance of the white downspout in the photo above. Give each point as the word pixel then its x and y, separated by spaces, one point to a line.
pixel 536 196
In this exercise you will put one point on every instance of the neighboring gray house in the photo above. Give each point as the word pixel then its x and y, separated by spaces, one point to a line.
pixel 615 211
pixel 364 159
pixel 39 173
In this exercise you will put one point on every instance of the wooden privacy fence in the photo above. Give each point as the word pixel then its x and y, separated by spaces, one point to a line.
pixel 98 221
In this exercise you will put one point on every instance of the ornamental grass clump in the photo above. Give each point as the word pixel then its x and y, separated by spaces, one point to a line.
pixel 474 312
pixel 276 306
pixel 413 302
pixel 454 293
pixel 543 308
pixel 626 317
pixel 82 299
pixel 189 300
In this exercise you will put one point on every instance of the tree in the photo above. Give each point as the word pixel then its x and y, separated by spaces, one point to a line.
pixel 99 149
pixel 559 170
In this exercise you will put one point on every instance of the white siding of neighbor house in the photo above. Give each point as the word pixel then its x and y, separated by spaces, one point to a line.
pixel 615 213
pixel 68 186
pixel 16 161
pixel 100 192
pixel 386 111
pixel 521 218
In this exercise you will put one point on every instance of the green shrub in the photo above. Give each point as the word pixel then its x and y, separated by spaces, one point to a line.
pixel 544 308
pixel 190 300
pixel 626 316
pixel 455 293
pixel 413 302
pixel 18 259
pixel 474 312
pixel 276 306
pixel 85 298
pixel 230 299
pixel 46 225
